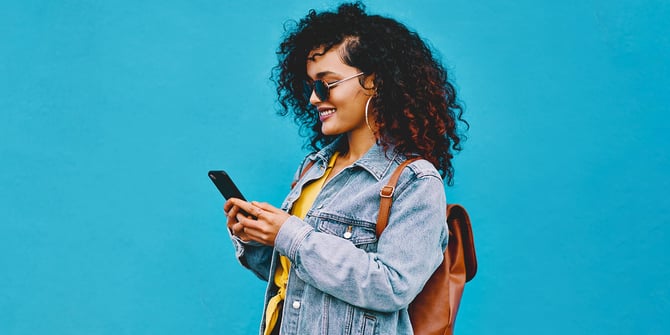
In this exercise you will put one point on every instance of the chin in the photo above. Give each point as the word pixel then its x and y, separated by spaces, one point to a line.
pixel 329 131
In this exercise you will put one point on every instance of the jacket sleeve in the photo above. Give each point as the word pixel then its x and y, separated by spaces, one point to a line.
pixel 253 256
pixel 408 251
pixel 256 256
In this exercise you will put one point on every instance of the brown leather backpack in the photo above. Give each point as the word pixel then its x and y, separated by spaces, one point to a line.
pixel 433 311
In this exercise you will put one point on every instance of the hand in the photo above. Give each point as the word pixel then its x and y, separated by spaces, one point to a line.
pixel 236 228
pixel 263 228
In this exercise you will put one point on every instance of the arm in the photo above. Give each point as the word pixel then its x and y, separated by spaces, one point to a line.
pixel 251 254
pixel 254 247
pixel 408 251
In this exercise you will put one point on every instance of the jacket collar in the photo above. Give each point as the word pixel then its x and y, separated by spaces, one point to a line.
pixel 376 161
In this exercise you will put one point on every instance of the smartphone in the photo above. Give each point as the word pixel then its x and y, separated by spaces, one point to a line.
pixel 225 185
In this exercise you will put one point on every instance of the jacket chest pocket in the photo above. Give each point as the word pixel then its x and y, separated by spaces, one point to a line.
pixel 360 233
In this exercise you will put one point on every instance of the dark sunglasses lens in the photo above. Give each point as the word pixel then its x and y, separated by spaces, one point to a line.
pixel 321 90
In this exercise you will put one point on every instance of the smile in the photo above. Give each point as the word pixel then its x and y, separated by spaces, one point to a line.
pixel 326 113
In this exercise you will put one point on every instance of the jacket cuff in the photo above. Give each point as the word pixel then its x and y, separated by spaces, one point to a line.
pixel 239 246
pixel 290 236
pixel 239 242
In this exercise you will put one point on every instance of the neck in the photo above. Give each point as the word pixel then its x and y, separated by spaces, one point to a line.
pixel 359 143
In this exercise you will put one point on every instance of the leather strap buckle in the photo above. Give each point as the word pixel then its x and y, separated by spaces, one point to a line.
pixel 387 191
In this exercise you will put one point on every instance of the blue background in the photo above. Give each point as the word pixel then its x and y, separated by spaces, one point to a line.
pixel 111 113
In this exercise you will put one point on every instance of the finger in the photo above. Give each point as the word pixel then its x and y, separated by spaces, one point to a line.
pixel 235 206
pixel 230 203
pixel 249 222
pixel 231 210
pixel 253 212
pixel 260 230
pixel 258 235
pixel 232 215
pixel 235 228
pixel 239 230
pixel 243 205
pixel 258 212
pixel 266 207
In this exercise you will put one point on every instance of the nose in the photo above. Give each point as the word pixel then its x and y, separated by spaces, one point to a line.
pixel 313 99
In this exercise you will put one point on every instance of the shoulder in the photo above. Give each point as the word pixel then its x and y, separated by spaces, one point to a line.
pixel 422 168
pixel 419 169
pixel 419 177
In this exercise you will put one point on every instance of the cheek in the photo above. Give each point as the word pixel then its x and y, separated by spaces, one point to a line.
pixel 352 111
pixel 352 101
pixel 358 104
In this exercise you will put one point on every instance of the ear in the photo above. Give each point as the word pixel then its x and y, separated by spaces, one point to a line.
pixel 369 84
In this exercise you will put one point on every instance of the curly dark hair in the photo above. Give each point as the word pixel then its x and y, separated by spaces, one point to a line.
pixel 415 104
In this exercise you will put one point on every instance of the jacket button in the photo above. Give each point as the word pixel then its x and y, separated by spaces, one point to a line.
pixel 296 304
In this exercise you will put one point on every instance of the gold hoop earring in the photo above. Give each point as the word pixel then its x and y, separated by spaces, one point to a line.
pixel 367 104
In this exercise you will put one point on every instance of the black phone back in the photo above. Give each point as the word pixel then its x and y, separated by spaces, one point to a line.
pixel 225 185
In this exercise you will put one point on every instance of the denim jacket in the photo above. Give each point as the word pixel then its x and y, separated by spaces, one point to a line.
pixel 343 279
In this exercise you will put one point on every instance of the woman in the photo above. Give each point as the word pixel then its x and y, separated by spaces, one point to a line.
pixel 371 94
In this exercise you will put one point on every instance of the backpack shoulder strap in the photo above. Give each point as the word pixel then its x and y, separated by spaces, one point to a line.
pixel 386 195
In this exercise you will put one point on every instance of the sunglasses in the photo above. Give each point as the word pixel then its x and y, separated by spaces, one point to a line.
pixel 322 88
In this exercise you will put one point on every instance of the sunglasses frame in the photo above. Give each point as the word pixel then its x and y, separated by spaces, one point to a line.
pixel 326 86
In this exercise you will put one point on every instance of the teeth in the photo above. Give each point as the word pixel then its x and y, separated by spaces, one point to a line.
pixel 327 112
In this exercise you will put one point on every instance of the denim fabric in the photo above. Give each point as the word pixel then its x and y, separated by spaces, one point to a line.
pixel 343 280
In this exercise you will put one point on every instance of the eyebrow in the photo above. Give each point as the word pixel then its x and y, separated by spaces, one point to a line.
pixel 322 74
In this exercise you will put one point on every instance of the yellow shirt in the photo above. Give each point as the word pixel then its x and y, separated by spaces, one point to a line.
pixel 300 209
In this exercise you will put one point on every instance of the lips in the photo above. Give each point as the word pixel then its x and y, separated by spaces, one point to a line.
pixel 326 113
